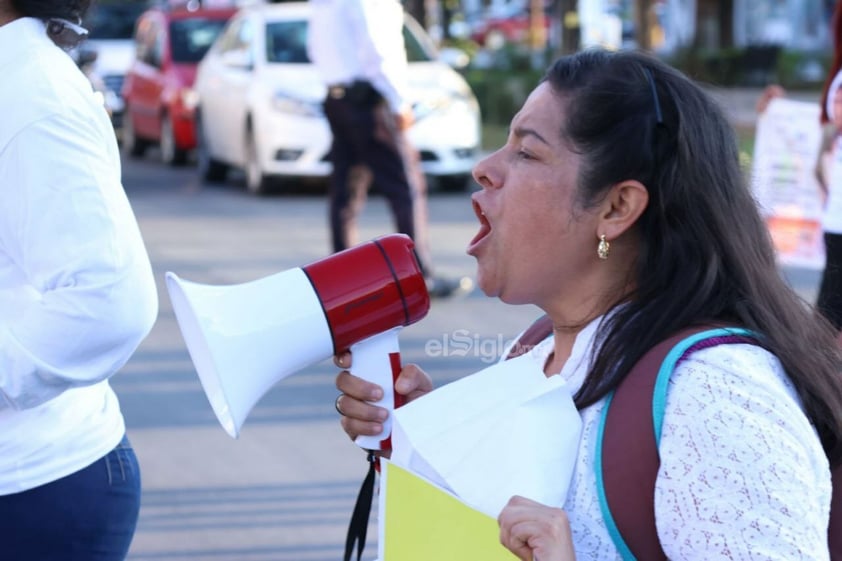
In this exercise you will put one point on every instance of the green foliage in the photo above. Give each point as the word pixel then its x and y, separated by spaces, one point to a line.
pixel 803 69
pixel 754 66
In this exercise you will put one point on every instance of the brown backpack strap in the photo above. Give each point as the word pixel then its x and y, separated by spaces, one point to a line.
pixel 540 329
pixel 627 458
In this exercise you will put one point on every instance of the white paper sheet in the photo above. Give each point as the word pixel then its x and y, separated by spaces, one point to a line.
pixel 505 430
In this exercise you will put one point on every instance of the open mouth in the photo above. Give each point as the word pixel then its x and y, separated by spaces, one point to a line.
pixel 484 226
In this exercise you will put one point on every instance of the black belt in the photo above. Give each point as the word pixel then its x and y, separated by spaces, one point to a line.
pixel 359 92
pixel 337 91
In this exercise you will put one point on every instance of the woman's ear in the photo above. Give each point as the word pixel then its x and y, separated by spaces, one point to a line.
pixel 622 206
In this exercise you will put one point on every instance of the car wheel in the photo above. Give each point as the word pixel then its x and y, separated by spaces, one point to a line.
pixel 209 169
pixel 256 181
pixel 171 154
pixel 454 183
pixel 133 145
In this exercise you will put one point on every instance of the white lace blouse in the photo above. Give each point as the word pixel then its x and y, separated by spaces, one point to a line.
pixel 743 475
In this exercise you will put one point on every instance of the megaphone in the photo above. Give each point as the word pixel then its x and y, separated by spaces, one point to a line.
pixel 244 338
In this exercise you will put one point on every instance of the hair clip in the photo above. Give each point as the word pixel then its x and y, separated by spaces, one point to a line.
pixel 65 32
pixel 651 80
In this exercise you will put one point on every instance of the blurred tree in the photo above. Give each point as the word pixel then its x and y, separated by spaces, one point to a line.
pixel 568 14
pixel 642 27
pixel 717 17
pixel 418 10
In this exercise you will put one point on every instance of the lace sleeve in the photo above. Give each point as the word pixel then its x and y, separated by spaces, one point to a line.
pixel 743 475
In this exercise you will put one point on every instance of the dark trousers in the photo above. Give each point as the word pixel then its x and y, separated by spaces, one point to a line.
pixel 365 135
pixel 89 515
pixel 829 301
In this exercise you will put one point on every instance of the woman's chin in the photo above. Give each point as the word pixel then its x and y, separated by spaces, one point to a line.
pixel 485 284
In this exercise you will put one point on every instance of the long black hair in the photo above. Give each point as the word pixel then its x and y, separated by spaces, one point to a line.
pixel 706 255
pixel 60 15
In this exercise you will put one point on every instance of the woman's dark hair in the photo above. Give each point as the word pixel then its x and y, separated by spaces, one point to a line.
pixel 706 255
pixel 71 10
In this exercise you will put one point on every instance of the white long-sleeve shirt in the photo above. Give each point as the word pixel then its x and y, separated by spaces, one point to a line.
pixel 743 475
pixel 360 39
pixel 77 295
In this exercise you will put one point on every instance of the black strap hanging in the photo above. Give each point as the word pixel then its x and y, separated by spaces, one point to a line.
pixel 358 526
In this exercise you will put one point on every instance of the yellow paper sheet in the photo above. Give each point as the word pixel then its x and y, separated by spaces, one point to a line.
pixel 421 522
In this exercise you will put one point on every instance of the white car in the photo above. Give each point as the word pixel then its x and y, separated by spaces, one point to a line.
pixel 260 104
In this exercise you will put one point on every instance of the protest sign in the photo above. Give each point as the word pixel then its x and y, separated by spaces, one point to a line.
pixel 787 141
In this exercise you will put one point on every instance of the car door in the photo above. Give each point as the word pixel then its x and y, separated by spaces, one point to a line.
pixel 225 77
pixel 147 80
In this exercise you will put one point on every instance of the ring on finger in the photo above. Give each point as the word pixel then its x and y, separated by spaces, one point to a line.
pixel 336 404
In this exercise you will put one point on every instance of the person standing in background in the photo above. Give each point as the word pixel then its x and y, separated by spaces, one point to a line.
pixel 828 173
pixel 77 296
pixel 358 48
pixel 829 301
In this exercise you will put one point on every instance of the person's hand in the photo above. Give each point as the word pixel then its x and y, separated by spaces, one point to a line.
pixel 359 417
pixel 769 93
pixel 404 119
pixel 535 532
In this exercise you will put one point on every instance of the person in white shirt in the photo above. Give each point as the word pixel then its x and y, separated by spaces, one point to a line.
pixel 358 48
pixel 618 207
pixel 77 296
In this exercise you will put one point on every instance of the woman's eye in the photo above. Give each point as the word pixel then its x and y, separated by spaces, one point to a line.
pixel 524 155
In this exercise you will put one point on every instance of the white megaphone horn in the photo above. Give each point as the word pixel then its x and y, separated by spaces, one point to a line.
pixel 245 338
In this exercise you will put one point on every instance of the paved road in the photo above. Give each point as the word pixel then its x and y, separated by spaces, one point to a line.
pixel 285 489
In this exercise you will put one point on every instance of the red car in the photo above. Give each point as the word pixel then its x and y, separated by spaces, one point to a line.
pixel 158 89
pixel 510 24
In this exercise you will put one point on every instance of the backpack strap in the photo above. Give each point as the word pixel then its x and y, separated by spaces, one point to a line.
pixel 629 432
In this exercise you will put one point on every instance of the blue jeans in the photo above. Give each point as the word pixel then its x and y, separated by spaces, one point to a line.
pixel 89 515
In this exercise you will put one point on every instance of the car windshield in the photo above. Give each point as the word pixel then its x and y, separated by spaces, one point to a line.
pixel 113 20
pixel 286 41
pixel 191 38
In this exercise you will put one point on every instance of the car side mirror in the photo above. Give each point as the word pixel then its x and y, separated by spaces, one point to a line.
pixel 453 57
pixel 237 59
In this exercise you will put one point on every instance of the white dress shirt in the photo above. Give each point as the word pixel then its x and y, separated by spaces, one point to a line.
pixel 360 39
pixel 77 293
pixel 743 475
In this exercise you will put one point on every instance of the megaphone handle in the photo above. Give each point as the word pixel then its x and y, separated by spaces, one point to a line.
pixel 378 360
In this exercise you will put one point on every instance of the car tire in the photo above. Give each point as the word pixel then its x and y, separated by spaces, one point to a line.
pixel 257 183
pixel 455 183
pixel 210 170
pixel 133 145
pixel 171 154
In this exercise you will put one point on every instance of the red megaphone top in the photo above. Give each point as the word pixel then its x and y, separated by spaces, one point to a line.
pixel 369 289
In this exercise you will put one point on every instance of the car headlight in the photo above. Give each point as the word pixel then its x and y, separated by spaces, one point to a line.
pixel 287 103
pixel 452 101
pixel 425 107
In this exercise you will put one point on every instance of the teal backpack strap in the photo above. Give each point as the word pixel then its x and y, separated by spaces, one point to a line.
pixel 629 431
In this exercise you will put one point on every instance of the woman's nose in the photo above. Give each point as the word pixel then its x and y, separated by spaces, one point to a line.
pixel 483 172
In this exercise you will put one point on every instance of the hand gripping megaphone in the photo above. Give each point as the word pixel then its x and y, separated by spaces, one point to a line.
pixel 245 338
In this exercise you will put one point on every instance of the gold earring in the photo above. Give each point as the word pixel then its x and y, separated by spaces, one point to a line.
pixel 603 248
